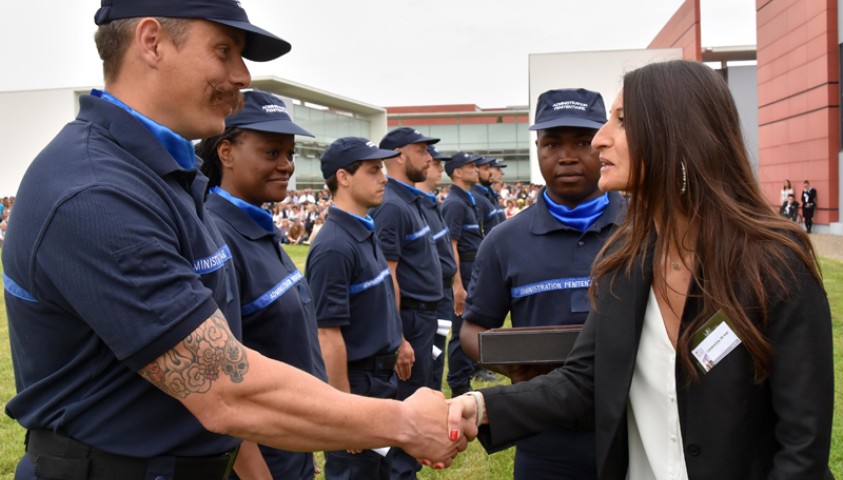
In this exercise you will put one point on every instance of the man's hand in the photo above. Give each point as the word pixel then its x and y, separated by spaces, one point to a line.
pixel 459 298
pixel 404 362
pixel 429 438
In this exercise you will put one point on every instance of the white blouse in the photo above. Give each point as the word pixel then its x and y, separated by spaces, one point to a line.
pixel 655 436
pixel 785 193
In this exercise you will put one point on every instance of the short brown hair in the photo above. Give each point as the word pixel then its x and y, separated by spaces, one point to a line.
pixel 113 39
pixel 331 182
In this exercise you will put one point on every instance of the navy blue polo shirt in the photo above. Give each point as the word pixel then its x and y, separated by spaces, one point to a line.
pixel 537 269
pixel 488 206
pixel 406 237
pixel 276 304
pixel 462 217
pixel 493 213
pixel 433 214
pixel 346 266
pixel 110 263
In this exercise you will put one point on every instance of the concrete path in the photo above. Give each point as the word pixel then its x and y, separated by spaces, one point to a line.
pixel 829 246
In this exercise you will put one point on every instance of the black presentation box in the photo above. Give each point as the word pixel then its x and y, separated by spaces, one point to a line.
pixel 527 345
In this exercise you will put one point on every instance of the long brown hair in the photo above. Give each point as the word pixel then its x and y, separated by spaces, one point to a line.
pixel 682 112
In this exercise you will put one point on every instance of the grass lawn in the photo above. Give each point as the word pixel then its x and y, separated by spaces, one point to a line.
pixel 474 463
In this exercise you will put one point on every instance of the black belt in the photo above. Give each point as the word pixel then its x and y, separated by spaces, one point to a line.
pixel 56 456
pixel 377 364
pixel 467 256
pixel 448 282
pixel 410 304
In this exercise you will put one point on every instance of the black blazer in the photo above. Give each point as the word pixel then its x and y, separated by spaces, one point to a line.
pixel 809 198
pixel 732 428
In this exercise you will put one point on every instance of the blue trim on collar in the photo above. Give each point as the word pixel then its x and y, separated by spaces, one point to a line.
pixel 261 216
pixel 16 290
pixel 179 147
pixel 430 197
pixel 470 196
pixel 412 188
pixel 580 217
pixel 367 222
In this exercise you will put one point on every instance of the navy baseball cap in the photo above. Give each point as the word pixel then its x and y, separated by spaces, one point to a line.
pixel 347 150
pixel 498 164
pixel 261 46
pixel 458 160
pixel 570 107
pixel 484 161
pixel 436 154
pixel 404 136
pixel 264 112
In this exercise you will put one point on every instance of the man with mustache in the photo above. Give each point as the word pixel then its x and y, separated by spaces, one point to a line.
pixel 536 265
pixel 121 295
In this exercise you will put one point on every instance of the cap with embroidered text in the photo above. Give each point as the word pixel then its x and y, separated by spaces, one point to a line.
pixel 570 107
pixel 404 136
pixel 264 112
pixel 261 46
pixel 460 159
pixel 436 154
pixel 347 150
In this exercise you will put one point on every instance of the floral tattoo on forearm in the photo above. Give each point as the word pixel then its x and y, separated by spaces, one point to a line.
pixel 198 361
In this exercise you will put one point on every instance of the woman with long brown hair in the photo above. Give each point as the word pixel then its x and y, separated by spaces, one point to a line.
pixel 708 353
pixel 787 189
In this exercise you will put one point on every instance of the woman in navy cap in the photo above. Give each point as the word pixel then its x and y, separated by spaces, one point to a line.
pixel 250 164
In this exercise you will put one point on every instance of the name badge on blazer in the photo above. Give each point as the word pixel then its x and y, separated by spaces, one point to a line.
pixel 714 341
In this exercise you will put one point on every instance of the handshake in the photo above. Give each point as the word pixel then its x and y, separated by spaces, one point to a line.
pixel 438 429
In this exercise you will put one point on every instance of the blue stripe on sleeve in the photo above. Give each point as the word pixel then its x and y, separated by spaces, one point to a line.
pixel 16 290
pixel 359 287
pixel 204 266
pixel 415 235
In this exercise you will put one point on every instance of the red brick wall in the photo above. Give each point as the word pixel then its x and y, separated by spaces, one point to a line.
pixel 798 107
pixel 682 31
pixel 467 107
pixel 495 115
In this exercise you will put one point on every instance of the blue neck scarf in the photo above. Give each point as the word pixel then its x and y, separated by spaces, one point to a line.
pixel 470 196
pixel 180 148
pixel 580 217
pixel 367 222
pixel 481 187
pixel 415 190
pixel 261 216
